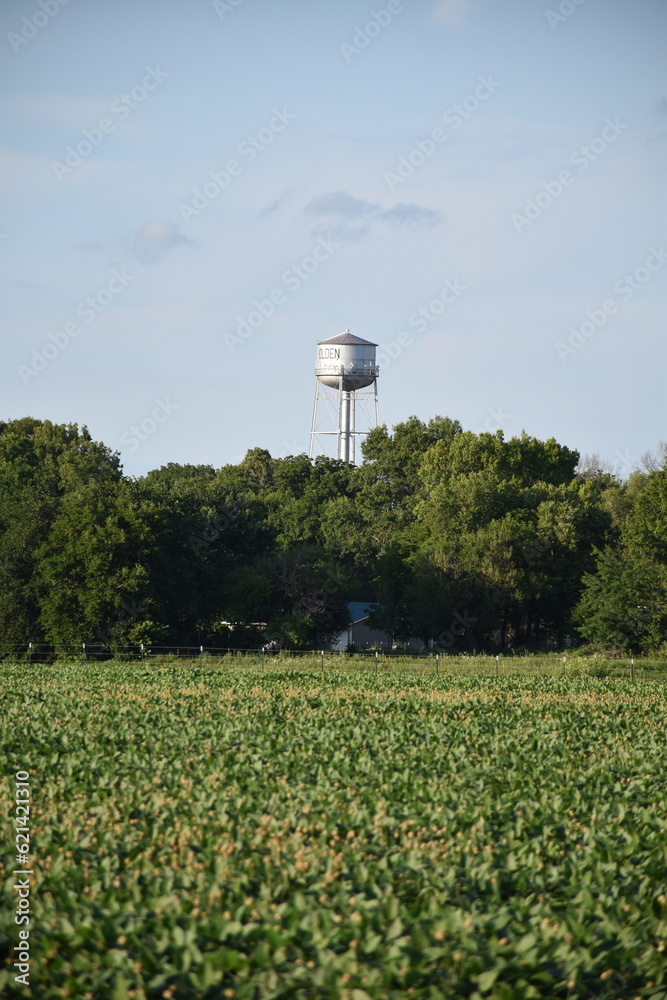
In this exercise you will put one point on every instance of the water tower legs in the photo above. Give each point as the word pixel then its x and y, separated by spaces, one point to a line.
pixel 313 426
pixel 346 426
pixel 335 413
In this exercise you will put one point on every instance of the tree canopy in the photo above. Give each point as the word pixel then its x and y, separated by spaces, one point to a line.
pixel 464 540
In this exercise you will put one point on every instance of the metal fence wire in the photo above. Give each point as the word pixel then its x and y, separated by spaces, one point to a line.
pixel 42 652
pixel 437 661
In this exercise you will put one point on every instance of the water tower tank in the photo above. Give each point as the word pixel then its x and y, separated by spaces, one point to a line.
pixel 347 359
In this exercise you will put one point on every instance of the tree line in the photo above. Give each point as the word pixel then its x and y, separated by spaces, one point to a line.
pixel 466 541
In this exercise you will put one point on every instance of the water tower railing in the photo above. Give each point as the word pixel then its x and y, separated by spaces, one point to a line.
pixel 357 369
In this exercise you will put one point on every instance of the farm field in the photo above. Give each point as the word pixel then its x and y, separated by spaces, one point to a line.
pixel 201 831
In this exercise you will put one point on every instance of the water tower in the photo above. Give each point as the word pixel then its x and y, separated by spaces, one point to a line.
pixel 345 388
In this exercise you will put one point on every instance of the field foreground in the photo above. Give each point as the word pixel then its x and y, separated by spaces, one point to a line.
pixel 208 833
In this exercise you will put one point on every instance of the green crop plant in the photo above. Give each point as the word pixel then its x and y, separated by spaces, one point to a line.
pixel 219 831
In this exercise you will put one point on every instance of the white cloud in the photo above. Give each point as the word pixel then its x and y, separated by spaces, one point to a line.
pixel 277 204
pixel 411 215
pixel 353 217
pixel 153 238
pixel 340 203
pixel 146 244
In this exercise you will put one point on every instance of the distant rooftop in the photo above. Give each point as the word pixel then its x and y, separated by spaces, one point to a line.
pixel 359 610
pixel 347 338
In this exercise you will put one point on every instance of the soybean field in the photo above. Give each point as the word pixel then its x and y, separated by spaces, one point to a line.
pixel 207 832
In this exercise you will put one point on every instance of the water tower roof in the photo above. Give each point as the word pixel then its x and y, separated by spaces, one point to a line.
pixel 347 338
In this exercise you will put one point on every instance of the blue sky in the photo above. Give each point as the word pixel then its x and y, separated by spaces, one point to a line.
pixel 531 140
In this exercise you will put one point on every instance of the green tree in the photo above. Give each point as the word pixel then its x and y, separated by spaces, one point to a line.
pixel 310 607
pixel 207 533
pixel 624 602
pixel 394 459
pixel 504 541
pixel 41 463
pixel 89 572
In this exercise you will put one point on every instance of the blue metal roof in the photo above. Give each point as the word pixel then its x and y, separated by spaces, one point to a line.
pixel 359 610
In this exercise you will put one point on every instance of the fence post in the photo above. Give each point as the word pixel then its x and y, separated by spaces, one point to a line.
pixel 142 650
pixel 201 650
pixel 632 668
pixel 83 647
pixel 29 652
pixel 437 664
pixel 496 666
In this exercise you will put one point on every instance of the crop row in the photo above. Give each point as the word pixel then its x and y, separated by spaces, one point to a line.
pixel 197 833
